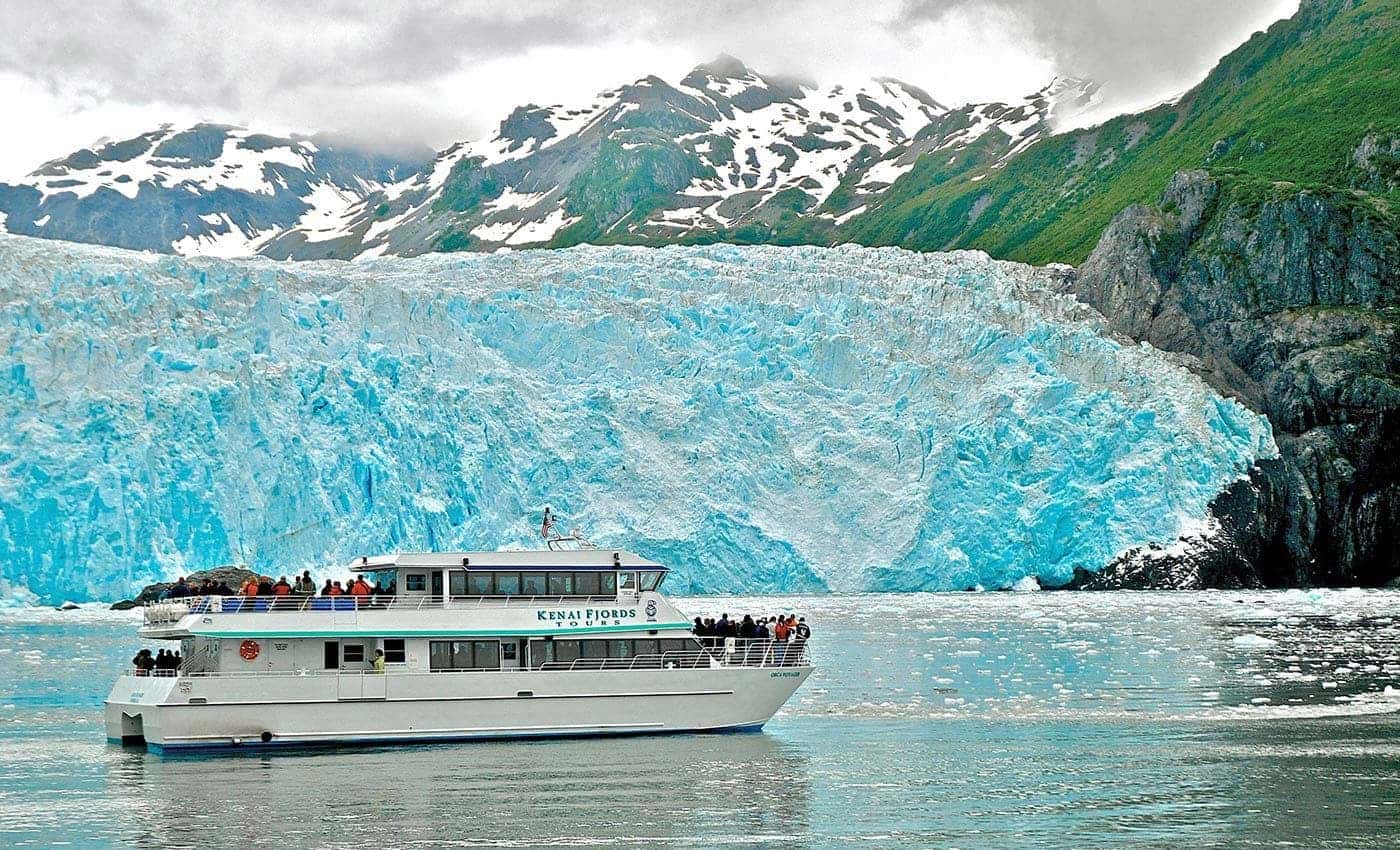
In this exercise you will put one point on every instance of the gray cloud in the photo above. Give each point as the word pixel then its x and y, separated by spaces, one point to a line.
pixel 384 70
pixel 1133 46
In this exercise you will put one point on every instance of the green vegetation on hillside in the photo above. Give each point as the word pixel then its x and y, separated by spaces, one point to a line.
pixel 1291 104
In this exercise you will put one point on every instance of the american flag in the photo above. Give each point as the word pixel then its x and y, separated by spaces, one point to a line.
pixel 548 525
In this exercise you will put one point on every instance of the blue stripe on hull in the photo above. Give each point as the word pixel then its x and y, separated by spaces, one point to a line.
pixel 177 750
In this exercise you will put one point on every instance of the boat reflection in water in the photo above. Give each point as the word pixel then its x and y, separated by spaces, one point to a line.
pixel 628 791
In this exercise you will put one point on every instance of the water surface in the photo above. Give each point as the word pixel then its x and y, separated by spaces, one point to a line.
pixel 937 720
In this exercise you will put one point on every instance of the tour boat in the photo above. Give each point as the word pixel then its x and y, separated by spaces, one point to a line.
pixel 476 645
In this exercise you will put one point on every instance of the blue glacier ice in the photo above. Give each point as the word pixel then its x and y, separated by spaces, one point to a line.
pixel 760 418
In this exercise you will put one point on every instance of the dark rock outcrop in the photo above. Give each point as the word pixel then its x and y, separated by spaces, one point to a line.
pixel 234 576
pixel 1288 299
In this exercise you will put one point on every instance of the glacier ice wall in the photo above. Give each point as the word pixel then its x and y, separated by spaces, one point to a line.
pixel 760 418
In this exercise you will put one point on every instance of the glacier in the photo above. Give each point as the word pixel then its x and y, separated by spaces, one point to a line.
pixel 761 419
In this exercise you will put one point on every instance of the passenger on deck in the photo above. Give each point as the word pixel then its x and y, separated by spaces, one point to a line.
pixel 223 589
pixel 326 590
pixel 250 587
pixel 699 627
pixel 143 662
pixel 378 590
pixel 282 588
pixel 358 588
pixel 379 661
pixel 336 589
pixel 304 585
pixel 265 586
pixel 176 660
pixel 178 590
pixel 748 629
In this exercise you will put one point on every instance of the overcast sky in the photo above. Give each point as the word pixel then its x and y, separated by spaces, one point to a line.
pixel 401 73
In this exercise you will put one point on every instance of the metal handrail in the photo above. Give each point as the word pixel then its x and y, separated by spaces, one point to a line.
pixel 744 653
pixel 172 610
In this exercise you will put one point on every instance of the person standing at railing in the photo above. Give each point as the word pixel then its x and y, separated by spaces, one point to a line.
pixel 379 661
pixel 801 633
pixel 143 662
pixel 282 588
pixel 304 585
pixel 360 590
pixel 250 587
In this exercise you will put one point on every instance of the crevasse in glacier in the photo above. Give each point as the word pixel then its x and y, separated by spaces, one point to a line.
pixel 759 418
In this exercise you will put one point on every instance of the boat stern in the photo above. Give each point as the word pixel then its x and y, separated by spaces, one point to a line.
pixel 130 711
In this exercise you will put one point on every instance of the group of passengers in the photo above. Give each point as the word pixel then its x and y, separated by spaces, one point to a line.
pixel 303 585
pixel 779 627
pixel 183 588
pixel 165 663
pixel 357 586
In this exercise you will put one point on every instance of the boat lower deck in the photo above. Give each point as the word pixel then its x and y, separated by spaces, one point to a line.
pixel 184 712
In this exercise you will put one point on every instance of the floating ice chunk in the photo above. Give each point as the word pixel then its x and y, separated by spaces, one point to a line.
pixel 1253 642
pixel 1026 584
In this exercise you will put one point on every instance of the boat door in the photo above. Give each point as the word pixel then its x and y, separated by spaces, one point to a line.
pixel 511 654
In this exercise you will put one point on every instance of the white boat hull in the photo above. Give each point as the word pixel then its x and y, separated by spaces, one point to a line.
pixel 194 712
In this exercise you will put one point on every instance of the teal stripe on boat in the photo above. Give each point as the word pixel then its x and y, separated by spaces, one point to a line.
pixel 357 632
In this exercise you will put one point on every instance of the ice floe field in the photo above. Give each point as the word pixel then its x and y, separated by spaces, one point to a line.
pixel 970 720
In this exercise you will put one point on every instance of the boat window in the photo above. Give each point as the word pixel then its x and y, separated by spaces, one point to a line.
pixel 646 647
pixel 508 651
pixel 464 655
pixel 353 653
pixel 332 655
pixel 626 582
pixel 394 651
pixel 650 580
pixel 674 645
pixel 488 654
pixel 587 584
pixel 533 584
pixel 620 649
pixel 592 649
pixel 480 584
pixel 440 654
pixel 415 582
pixel 561 584
pixel 607 584
pixel 566 651
pixel 457 583
pixel 541 652
pixel 507 584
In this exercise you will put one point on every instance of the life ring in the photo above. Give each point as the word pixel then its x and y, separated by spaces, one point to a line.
pixel 249 649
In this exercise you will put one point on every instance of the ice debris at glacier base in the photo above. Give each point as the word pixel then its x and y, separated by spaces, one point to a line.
pixel 761 419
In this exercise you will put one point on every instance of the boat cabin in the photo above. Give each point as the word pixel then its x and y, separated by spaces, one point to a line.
pixel 576 574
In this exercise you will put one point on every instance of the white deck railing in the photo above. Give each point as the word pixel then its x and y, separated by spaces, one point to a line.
pixel 732 653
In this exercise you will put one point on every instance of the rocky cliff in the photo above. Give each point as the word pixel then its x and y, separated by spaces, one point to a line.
pixel 1287 297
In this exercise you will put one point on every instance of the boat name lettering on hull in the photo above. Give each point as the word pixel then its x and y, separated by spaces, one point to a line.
pixel 586 617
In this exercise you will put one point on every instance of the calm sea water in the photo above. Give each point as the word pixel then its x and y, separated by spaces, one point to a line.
pixel 957 720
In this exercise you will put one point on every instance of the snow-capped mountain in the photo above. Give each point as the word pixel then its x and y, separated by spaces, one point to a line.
pixel 725 153
pixel 204 189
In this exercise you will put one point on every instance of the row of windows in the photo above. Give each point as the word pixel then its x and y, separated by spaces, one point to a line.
pixel 501 583
pixel 464 655
pixel 486 654
pixel 567 651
